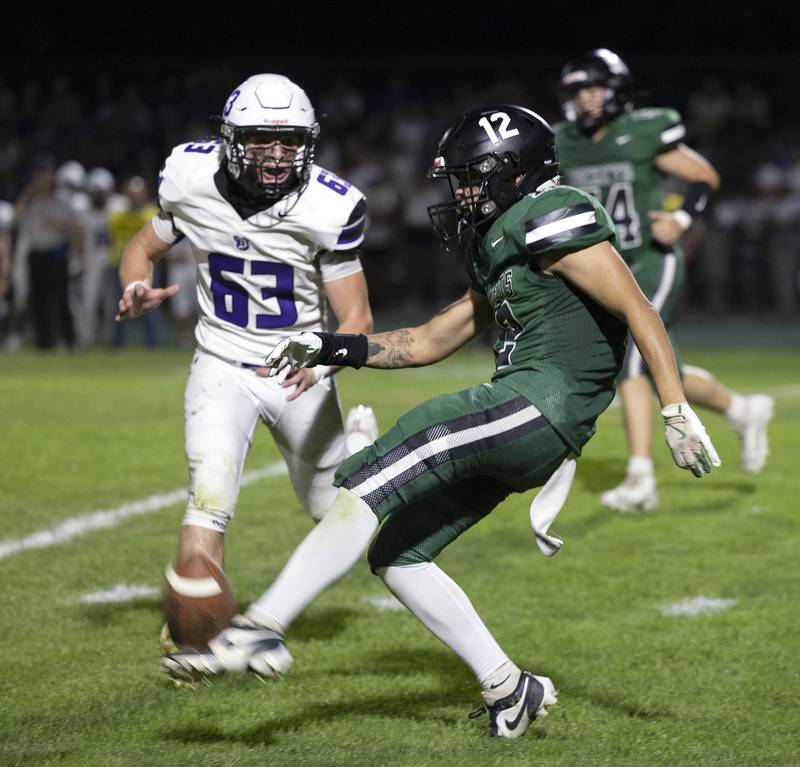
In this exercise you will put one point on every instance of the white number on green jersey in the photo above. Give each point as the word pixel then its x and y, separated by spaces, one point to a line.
pixel 620 206
pixel 505 318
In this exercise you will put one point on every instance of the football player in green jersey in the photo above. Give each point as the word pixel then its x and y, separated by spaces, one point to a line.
pixel 621 155
pixel 543 264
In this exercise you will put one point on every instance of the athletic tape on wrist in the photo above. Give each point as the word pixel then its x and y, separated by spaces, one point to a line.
pixel 132 285
pixel 683 218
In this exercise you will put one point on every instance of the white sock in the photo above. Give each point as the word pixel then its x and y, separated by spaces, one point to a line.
pixel 445 610
pixel 639 465
pixel 737 410
pixel 327 553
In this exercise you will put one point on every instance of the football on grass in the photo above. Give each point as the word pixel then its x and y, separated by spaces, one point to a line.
pixel 198 601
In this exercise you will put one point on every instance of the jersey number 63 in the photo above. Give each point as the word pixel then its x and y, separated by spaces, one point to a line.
pixel 231 302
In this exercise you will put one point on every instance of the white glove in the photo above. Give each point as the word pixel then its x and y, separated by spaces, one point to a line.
pixel 687 439
pixel 298 351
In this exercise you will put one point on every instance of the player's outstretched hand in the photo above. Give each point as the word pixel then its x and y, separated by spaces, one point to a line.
pixel 687 439
pixel 300 351
pixel 140 298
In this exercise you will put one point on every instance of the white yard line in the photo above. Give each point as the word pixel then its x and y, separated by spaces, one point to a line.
pixel 697 606
pixel 384 603
pixel 120 593
pixel 98 520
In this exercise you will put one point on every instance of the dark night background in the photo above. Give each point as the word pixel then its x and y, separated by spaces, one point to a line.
pixel 119 85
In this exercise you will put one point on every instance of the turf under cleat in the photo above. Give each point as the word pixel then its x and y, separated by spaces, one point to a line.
pixel 243 646
pixel 510 717
pixel 637 492
pixel 752 431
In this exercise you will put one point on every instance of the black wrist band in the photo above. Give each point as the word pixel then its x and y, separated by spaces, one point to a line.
pixel 696 198
pixel 342 349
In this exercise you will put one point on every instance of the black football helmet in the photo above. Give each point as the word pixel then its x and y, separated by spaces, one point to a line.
pixel 503 151
pixel 598 67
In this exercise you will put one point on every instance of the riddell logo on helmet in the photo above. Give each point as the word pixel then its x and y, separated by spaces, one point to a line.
pixel 277 122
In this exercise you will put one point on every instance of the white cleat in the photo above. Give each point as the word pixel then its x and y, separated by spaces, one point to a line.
pixel 636 493
pixel 511 716
pixel 752 431
pixel 360 427
pixel 243 646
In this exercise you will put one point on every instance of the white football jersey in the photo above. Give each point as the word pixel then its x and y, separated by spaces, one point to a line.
pixel 261 278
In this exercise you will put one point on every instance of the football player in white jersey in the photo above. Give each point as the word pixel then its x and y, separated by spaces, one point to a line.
pixel 276 241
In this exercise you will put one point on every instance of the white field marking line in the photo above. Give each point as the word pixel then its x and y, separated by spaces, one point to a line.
pixel 785 391
pixel 99 520
pixel 385 603
pixel 697 606
pixel 789 391
pixel 120 593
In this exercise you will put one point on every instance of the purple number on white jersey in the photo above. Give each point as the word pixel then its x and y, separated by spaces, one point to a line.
pixel 230 298
pixel 283 291
pixel 332 182
pixel 231 302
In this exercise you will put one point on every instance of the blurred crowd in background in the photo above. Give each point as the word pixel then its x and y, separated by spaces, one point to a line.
pixel 80 151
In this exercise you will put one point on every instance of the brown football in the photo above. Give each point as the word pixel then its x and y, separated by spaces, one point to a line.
pixel 198 601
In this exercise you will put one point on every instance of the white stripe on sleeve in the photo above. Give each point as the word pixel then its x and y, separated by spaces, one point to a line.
pixel 562 225
pixel 673 134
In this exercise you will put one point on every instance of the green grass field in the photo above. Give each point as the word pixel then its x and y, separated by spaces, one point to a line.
pixel 80 685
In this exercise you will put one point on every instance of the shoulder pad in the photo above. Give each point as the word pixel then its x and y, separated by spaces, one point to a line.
pixel 185 164
pixel 339 210
pixel 663 126
pixel 563 219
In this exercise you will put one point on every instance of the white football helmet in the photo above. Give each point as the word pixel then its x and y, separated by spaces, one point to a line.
pixel 264 109
pixel 6 215
pixel 99 180
pixel 71 176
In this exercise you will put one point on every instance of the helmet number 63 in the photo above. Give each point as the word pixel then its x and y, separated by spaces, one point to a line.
pixel 503 129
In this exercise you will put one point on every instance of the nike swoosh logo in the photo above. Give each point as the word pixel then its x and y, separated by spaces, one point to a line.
pixel 497 240
pixel 512 725
pixel 623 139
pixel 495 686
pixel 342 353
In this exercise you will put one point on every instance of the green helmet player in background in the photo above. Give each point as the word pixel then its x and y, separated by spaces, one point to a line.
pixel 620 155
pixel 544 267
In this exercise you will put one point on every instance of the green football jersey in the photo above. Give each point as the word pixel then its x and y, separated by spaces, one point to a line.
pixel 620 170
pixel 557 347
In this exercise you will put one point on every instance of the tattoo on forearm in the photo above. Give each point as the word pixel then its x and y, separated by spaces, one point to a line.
pixel 390 350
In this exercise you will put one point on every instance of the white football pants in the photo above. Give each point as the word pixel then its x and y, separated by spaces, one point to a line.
pixel 223 403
